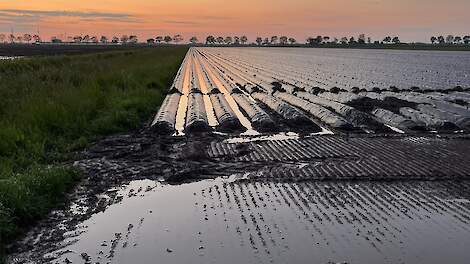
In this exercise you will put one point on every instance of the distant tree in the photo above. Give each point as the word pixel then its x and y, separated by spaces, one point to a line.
pixel 104 39
pixel 86 38
pixel 274 39
pixel 266 41
pixel 77 39
pixel 27 38
pixel 457 39
pixel 335 40
pixel 466 39
pixel 259 41
pixel 369 40
pixel 167 39
pixel 228 40
pixel 352 40
pixel 151 41
pixel 387 39
pixel 115 40
pixel 236 40
pixel 361 39
pixel 220 40
pixel 244 39
pixel 2 38
pixel 396 40
pixel 56 40
pixel 94 39
pixel 19 39
pixel 193 40
pixel 210 40
pixel 344 40
pixel 292 41
pixel 133 39
pixel 433 39
pixel 11 38
pixel 441 40
pixel 450 39
pixel 177 38
pixel 283 40
pixel 314 41
pixel 326 39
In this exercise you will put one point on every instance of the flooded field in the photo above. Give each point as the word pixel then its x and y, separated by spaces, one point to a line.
pixel 225 221
pixel 280 156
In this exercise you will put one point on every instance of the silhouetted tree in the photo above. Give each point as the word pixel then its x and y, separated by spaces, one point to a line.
pixel 326 39
pixel 210 40
pixel 133 39
pixel 433 39
pixel 441 39
pixel 158 39
pixel 150 41
pixel 466 39
pixel 458 39
pixel 259 41
pixel 292 41
pixel 27 38
pixel 266 41
pixel 177 38
pixel 115 40
pixel 283 40
pixel 167 39
pixel 11 38
pixel 387 39
pixel 352 40
pixel 193 40
pixel 396 40
pixel 77 39
pixel 361 39
pixel 86 38
pixel 236 40
pixel 344 40
pixel 104 39
pixel 274 39
pixel 369 40
pixel 450 39
pixel 228 40
pixel 220 40
pixel 37 38
pixel 244 39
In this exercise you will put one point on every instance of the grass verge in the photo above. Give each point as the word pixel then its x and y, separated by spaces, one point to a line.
pixel 52 106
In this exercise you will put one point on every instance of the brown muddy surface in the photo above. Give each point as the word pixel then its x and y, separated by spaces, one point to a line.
pixel 283 198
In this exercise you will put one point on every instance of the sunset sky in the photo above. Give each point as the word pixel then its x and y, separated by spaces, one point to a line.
pixel 412 20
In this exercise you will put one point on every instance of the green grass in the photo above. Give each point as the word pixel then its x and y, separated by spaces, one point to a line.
pixel 52 106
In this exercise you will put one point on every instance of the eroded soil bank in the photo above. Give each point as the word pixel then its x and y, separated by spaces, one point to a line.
pixel 267 199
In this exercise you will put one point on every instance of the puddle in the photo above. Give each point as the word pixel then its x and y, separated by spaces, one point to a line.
pixel 228 221
pixel 244 138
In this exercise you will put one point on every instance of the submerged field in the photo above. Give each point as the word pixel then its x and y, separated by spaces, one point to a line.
pixel 51 107
pixel 265 155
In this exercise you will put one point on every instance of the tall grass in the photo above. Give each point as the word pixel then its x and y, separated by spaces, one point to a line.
pixel 51 106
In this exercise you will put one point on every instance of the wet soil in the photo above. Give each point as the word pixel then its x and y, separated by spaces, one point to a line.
pixel 213 199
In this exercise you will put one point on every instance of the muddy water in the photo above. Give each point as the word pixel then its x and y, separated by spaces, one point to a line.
pixel 226 221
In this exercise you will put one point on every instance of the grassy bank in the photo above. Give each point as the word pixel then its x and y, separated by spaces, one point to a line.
pixel 52 106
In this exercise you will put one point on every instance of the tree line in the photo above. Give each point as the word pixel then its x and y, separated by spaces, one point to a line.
pixel 450 39
pixel 227 40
